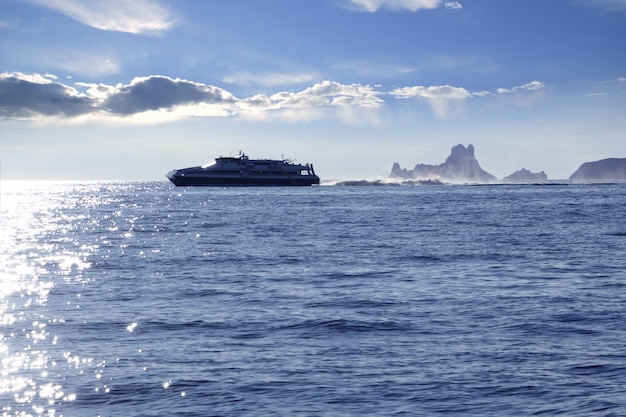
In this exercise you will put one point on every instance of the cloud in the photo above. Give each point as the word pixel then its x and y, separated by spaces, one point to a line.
pixel 444 97
pixel 455 5
pixel 269 79
pixel 608 5
pixel 523 95
pixel 434 92
pixel 24 96
pixel 531 86
pixel 608 87
pixel 146 17
pixel 440 97
pixel 158 98
pixel 330 93
pixel 412 5
pixel 349 102
pixel 160 93
pixel 146 99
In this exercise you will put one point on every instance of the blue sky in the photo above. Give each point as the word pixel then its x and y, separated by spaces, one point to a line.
pixel 131 89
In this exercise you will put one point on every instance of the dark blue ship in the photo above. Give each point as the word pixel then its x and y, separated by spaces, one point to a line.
pixel 243 171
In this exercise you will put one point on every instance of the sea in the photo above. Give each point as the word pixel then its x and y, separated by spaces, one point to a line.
pixel 145 299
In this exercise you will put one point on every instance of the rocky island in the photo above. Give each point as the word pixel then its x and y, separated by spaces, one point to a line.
pixel 604 170
pixel 525 176
pixel 460 166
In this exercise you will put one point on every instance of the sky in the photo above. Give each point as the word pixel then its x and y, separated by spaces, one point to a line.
pixel 130 89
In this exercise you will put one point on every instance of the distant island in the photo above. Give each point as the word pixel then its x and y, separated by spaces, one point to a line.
pixel 604 170
pixel 463 167
pixel 460 166
pixel 524 175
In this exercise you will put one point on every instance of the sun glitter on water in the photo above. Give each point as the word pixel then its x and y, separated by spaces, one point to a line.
pixel 32 213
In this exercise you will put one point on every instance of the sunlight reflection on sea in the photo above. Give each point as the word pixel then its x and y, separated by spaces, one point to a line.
pixel 36 251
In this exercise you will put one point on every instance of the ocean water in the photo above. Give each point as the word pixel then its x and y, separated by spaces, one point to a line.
pixel 143 299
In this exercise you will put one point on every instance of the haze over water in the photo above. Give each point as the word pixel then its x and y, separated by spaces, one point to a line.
pixel 143 299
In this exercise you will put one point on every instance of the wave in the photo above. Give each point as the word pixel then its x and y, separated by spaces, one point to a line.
pixel 382 183
pixel 389 182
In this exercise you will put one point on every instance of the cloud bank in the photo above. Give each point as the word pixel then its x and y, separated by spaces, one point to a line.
pixel 40 97
pixel 145 17
pixel 35 97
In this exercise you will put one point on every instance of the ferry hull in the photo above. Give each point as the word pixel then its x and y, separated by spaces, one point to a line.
pixel 242 182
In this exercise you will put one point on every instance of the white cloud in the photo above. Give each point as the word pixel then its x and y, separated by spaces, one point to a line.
pixel 531 86
pixel 412 5
pixel 145 17
pixel 349 102
pixel 434 92
pixel 523 95
pixel 330 93
pixel 440 97
pixel 32 78
pixel 455 5
pixel 444 97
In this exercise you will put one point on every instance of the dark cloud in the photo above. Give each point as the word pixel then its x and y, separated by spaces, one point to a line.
pixel 24 98
pixel 158 92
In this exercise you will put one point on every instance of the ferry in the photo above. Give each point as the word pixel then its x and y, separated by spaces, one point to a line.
pixel 243 171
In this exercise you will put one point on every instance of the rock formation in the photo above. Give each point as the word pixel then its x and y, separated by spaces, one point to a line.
pixel 604 170
pixel 460 166
pixel 524 175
